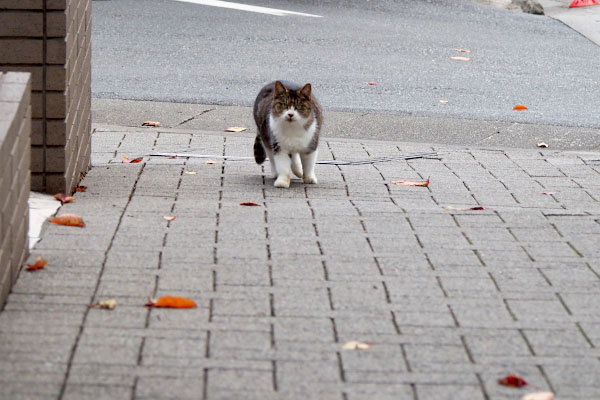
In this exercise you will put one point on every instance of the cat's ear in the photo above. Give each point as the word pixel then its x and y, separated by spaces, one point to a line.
pixel 305 91
pixel 279 89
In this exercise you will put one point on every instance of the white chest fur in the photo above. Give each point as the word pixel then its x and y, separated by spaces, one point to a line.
pixel 292 137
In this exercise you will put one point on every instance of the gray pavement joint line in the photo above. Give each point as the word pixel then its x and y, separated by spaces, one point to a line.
pixel 96 288
pixel 194 117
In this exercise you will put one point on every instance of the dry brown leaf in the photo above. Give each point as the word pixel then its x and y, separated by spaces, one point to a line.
pixel 69 220
pixel 403 182
pixel 249 203
pixel 356 345
pixel 38 264
pixel 63 198
pixel 539 396
pixel 210 162
pixel 171 302
pixel 126 160
pixel 444 101
pixel 459 58
pixel 109 304
pixel 235 129
pixel 169 218
pixel 462 50
pixel 542 145
pixel 154 124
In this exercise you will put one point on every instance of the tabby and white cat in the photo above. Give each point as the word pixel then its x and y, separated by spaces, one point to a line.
pixel 289 119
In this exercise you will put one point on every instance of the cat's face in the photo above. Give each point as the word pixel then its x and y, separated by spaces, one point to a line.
pixel 291 105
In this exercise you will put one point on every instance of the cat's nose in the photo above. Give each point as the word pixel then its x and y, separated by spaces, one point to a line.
pixel 290 115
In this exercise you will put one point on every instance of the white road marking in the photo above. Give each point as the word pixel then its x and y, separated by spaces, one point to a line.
pixel 247 7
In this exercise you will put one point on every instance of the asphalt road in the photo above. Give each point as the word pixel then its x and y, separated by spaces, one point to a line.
pixel 170 51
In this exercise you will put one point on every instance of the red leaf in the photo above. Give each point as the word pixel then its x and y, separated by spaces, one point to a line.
pixel 81 188
pixel 249 203
pixel 519 107
pixel 512 381
pixel 171 302
pixel 39 264
pixel 126 160
pixel 63 198
pixel 68 220
pixel 411 183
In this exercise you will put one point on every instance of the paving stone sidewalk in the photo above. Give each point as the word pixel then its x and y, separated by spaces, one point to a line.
pixel 449 300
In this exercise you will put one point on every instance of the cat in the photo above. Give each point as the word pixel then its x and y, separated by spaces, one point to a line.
pixel 288 120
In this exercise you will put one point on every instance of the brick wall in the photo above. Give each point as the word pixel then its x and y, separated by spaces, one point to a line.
pixel 51 39
pixel 15 143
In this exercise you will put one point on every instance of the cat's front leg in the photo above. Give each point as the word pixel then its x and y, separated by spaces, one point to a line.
pixel 308 165
pixel 272 161
pixel 283 164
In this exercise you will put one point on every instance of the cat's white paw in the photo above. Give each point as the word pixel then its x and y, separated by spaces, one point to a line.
pixel 282 181
pixel 310 179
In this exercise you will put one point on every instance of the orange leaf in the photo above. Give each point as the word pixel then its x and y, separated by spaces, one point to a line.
pixel 519 107
pixel 39 264
pixel 412 183
pixel 249 203
pixel 63 198
pixel 81 188
pixel 512 381
pixel 68 220
pixel 171 302
pixel 126 160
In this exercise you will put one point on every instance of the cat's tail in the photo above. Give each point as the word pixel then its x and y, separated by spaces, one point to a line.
pixel 259 151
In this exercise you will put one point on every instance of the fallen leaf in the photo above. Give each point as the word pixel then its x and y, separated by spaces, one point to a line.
pixel 249 203
pixel 68 220
pixel 154 124
pixel 403 182
pixel 209 162
pixel 109 304
pixel 371 83
pixel 519 107
pixel 463 50
pixel 235 129
pixel 191 172
pixel 38 264
pixel 512 381
pixel 126 160
pixel 550 193
pixel 458 58
pixel 477 208
pixel 539 396
pixel 81 188
pixel 171 302
pixel 542 144
pixel 63 198
pixel 356 345
pixel 444 101
pixel 168 218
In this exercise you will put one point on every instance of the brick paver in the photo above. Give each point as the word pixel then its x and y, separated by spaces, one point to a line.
pixel 449 300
